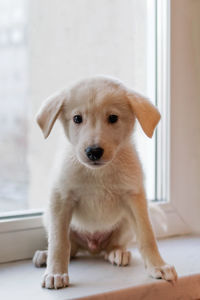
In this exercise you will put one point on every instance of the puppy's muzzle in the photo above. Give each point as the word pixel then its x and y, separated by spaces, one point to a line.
pixel 94 153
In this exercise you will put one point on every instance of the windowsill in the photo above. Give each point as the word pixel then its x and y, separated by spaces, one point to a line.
pixel 93 276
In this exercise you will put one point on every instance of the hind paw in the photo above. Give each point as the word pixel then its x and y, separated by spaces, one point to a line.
pixel 40 258
pixel 119 257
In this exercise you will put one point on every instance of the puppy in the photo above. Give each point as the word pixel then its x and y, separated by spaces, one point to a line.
pixel 97 199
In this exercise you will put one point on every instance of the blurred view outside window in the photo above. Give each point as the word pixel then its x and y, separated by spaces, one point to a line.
pixel 14 173
pixel 45 45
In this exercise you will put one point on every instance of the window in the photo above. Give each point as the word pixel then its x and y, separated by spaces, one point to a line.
pixel 14 172
pixel 126 39
pixel 39 57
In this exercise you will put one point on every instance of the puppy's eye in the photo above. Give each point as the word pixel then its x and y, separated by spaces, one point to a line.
pixel 112 119
pixel 78 119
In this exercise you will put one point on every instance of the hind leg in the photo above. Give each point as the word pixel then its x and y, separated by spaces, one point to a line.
pixel 116 252
pixel 40 256
pixel 74 248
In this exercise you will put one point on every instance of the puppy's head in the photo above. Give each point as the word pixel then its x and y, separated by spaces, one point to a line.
pixel 98 116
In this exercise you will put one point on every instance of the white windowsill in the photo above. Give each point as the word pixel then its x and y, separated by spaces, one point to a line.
pixel 92 276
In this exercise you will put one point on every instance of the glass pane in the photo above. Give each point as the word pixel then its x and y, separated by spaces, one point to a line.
pixel 43 50
pixel 14 172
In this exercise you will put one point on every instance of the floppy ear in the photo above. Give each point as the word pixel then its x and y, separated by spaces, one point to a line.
pixel 146 113
pixel 49 112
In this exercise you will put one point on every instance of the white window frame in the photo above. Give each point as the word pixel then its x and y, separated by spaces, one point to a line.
pixel 20 237
pixel 174 63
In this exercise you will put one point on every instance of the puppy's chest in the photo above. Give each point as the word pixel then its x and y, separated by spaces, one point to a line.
pixel 99 196
pixel 85 185
pixel 99 204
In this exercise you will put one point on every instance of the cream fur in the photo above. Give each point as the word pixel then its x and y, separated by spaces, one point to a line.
pixel 109 197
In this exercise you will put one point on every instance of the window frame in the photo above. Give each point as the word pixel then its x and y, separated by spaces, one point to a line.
pixel 174 62
pixel 20 237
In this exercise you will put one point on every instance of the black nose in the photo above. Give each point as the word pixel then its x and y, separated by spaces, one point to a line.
pixel 94 153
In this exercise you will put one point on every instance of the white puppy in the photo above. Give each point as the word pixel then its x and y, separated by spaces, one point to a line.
pixel 98 200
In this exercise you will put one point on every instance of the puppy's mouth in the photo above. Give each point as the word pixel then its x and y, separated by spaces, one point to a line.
pixel 93 164
pixel 93 157
pixel 96 164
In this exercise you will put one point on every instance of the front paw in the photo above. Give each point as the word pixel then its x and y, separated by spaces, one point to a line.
pixel 55 281
pixel 165 272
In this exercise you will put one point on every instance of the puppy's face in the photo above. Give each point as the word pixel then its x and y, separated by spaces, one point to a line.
pixel 98 120
pixel 98 116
